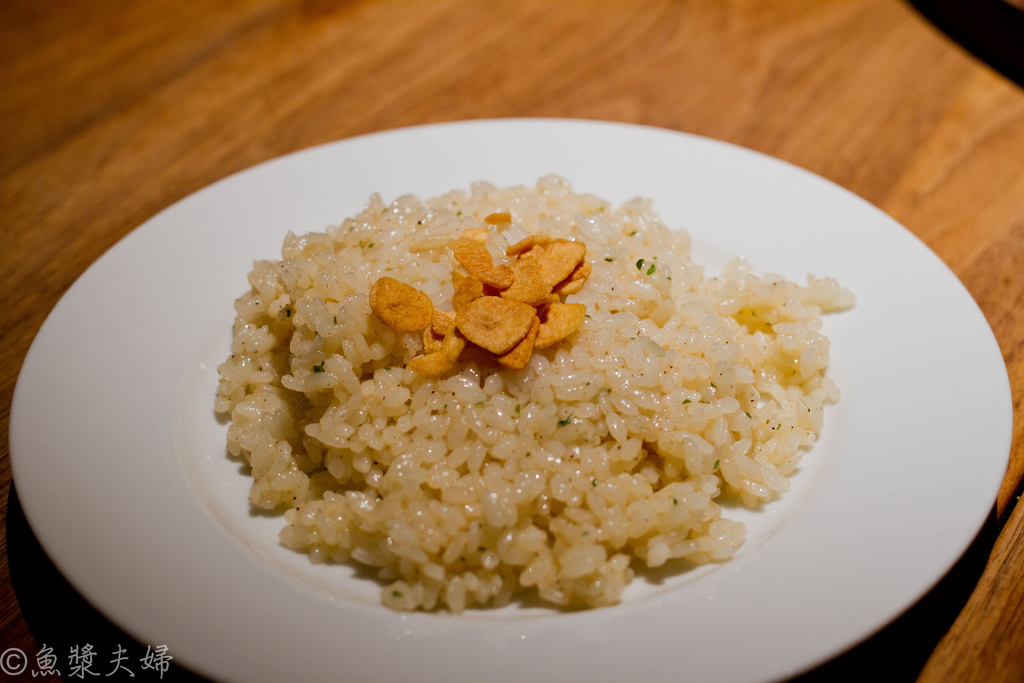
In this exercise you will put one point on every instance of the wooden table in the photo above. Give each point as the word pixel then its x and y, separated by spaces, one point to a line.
pixel 111 111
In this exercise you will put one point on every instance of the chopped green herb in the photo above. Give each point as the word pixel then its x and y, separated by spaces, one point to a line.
pixel 675 501
pixel 632 233
pixel 319 367
pixel 609 260
pixel 518 408
pixel 593 482
pixel 370 245
pixel 459 212
pixel 388 367
pixel 713 386
pixel 686 400
pixel 717 463
pixel 479 403
pixel 335 320
pixel 396 593
pixel 288 312
pixel 562 423
pixel 650 271
pixel 584 533
pixel 747 414
pixel 639 264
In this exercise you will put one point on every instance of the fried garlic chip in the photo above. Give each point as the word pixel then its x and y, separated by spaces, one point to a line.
pixel 559 321
pixel 453 345
pixel 498 277
pixel 508 310
pixel 479 234
pixel 560 259
pixel 494 323
pixel 574 282
pixel 472 254
pixel 467 288
pixel 442 322
pixel 432 365
pixel 401 307
pixel 499 218
pixel 526 245
pixel 519 356
pixel 441 349
pixel 527 283
pixel 431 340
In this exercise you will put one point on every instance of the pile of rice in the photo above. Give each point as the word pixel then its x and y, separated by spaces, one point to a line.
pixel 607 452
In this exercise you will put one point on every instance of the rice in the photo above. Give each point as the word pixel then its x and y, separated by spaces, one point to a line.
pixel 606 453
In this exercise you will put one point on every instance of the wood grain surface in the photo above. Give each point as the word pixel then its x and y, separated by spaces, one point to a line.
pixel 112 110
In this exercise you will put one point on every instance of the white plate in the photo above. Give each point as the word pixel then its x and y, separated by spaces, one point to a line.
pixel 119 462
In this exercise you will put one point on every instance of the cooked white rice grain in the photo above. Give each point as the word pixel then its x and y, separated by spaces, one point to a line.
pixel 606 452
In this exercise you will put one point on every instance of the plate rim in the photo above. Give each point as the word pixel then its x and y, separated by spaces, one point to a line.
pixel 17 435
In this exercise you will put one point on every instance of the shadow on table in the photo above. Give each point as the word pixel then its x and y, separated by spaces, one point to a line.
pixel 992 30
pixel 61 619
